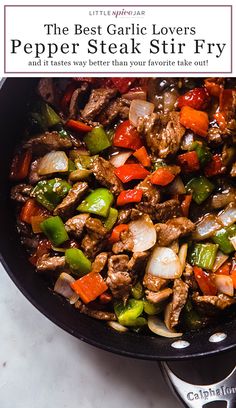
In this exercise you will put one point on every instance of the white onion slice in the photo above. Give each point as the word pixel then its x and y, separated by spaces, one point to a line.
pixel 220 260
pixel 224 284
pixel 176 187
pixel 233 242
pixel 120 158
pixel 117 326
pixel 187 141
pixel 53 162
pixel 164 263
pixel 228 216
pixel 183 255
pixel 206 227
pixel 143 233
pixel 62 286
pixel 139 109
pixel 158 327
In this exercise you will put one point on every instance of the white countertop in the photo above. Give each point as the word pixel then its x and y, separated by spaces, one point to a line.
pixel 42 366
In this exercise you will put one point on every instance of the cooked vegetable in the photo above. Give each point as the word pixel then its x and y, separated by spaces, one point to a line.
pixel 195 120
pixel 49 193
pixel 79 174
pixel 78 126
pixel 53 162
pixel 162 177
pixel 97 202
pixel 54 229
pixel 185 205
pixel 203 255
pixel 143 233
pixel 117 326
pixel 129 314
pixel 205 282
pixel 129 196
pixel 115 235
pixel 151 309
pixel 164 263
pixel 78 261
pixel 97 140
pixel 137 291
pixel 203 152
pixel 228 216
pixel 189 162
pixel 158 327
pixel 119 159
pixel 142 156
pixel 89 287
pixel 222 238
pixel 20 166
pixel 176 187
pixel 215 166
pixel 224 284
pixel 200 188
pixel 206 227
pixel 62 287
pixel 127 136
pixel 219 261
pixel 30 209
pixel 129 172
pixel 197 98
pixel 139 109
pixel 183 255
pixel 111 218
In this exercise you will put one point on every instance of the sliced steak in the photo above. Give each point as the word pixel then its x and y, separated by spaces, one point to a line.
pixel 154 283
pixel 168 209
pixel 99 262
pixel 119 279
pixel 151 197
pixel 128 215
pixel 103 170
pixel 180 295
pixel 94 226
pixel 173 229
pixel 189 278
pixel 47 90
pixel 77 100
pixel 34 178
pixel 50 263
pixel 138 262
pixel 98 100
pixel 233 170
pixel 97 314
pixel 117 108
pixel 47 142
pixel 95 239
pixel 212 305
pixel 163 133
pixel 126 243
pixel 70 202
pixel 75 225
pixel 21 192
pixel 158 297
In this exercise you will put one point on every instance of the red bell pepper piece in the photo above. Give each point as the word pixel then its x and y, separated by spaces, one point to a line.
pixel 197 98
pixel 78 126
pixel 127 136
pixel 213 87
pixel 115 235
pixel 162 177
pixel 123 84
pixel 30 209
pixel 129 172
pixel 89 287
pixel 105 298
pixel 142 156
pixel 189 162
pixel 204 281
pixel 195 120
pixel 20 165
pixel 220 119
pixel 185 205
pixel 215 166
pixel 129 196
pixel 233 275
pixel 224 269
pixel 44 247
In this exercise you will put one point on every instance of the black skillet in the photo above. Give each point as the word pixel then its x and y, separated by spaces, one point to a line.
pixel 14 94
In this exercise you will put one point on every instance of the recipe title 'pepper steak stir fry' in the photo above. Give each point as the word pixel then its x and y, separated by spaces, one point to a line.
pixel 126 199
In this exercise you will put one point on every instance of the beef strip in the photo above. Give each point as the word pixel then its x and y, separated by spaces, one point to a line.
pixel 119 279
pixel 117 108
pixel 97 314
pixel 47 90
pixel 214 136
pixel 180 294
pixel 75 225
pixel 50 263
pixel 98 100
pixel 233 170
pixel 21 192
pixel 126 243
pixel 103 170
pixel 77 99
pixel 163 133
pixel 27 237
pixel 99 262
pixel 151 197
pixel 154 283
pixel 34 178
pixel 47 142
pixel 94 226
pixel 212 305
pixel 138 262
pixel 168 209
pixel 172 230
pixel 158 297
pixel 127 215
pixel 189 278
pixel 94 241
pixel 70 202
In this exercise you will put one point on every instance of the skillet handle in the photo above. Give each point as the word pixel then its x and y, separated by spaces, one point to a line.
pixel 196 396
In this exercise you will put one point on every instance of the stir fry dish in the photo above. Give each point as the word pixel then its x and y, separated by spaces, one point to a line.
pixel 125 198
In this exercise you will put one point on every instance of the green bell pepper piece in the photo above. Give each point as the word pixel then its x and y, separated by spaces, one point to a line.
pixel 78 261
pixel 44 115
pixel 128 315
pixel 192 320
pixel 111 219
pixel 203 255
pixel 152 309
pixel 71 165
pixel 50 193
pixel 54 229
pixel 203 152
pixel 200 188
pixel 97 202
pixel 97 140
pixel 137 291
pixel 222 238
